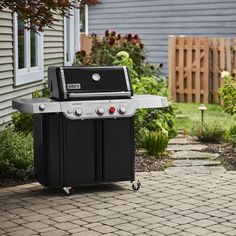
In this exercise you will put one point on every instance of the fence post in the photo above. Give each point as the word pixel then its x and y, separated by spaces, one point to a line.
pixel 206 75
pixel 172 66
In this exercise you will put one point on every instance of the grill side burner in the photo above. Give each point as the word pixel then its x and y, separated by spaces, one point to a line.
pixel 88 139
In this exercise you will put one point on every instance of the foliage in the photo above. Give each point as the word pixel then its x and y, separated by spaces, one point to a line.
pixel 209 132
pixel 22 122
pixel 156 142
pixel 105 51
pixel 38 14
pixel 227 94
pixel 231 135
pixel 16 155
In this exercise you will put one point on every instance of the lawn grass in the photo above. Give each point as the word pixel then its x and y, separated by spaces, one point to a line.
pixel 187 114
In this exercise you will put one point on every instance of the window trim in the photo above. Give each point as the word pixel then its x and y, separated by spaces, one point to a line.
pixel 29 74
pixel 74 36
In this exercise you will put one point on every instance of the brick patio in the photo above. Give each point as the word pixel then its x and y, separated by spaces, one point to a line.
pixel 164 205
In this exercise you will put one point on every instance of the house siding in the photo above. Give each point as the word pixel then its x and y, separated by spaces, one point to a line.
pixel 155 20
pixel 53 55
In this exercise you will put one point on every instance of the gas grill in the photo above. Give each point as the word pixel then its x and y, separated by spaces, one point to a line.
pixel 84 133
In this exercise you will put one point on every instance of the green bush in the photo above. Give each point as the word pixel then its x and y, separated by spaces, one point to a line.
pixel 156 142
pixel 16 155
pixel 209 132
pixel 227 93
pixel 230 135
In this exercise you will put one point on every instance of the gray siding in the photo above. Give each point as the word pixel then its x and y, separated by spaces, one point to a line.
pixel 155 20
pixel 53 54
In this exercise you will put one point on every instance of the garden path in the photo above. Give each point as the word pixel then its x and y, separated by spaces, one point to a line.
pixel 189 157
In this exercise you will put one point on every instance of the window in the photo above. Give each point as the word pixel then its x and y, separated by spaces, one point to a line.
pixel 28 54
pixel 71 37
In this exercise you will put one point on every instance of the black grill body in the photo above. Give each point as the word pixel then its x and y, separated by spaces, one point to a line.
pixel 82 152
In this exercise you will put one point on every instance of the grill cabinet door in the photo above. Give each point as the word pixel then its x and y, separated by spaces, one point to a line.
pixel 118 149
pixel 79 152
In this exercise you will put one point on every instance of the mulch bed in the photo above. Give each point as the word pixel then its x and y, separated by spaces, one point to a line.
pixel 147 163
pixel 227 154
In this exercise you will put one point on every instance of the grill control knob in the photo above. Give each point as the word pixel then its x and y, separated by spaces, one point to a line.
pixel 100 111
pixel 122 110
pixel 42 107
pixel 112 110
pixel 78 111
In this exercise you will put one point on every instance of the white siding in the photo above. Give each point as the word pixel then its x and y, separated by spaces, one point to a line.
pixel 155 20
pixel 53 55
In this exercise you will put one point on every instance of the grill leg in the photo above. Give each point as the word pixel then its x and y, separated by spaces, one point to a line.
pixel 136 185
pixel 68 190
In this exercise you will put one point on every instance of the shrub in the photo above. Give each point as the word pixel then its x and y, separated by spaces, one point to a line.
pixel 156 142
pixel 230 135
pixel 104 51
pixel 16 155
pixel 227 93
pixel 209 132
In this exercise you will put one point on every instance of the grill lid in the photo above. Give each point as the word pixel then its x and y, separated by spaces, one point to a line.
pixel 80 83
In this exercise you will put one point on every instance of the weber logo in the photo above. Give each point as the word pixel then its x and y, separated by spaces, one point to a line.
pixel 74 86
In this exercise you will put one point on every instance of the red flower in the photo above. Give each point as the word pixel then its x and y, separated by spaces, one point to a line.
pixel 111 41
pixel 136 37
pixel 81 53
pixel 129 37
pixel 141 45
pixel 161 65
pixel 118 36
pixel 113 33
pixel 107 33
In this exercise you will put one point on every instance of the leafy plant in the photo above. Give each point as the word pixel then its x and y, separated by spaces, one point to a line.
pixel 16 155
pixel 105 52
pixel 39 14
pixel 230 135
pixel 209 132
pixel 156 142
pixel 227 93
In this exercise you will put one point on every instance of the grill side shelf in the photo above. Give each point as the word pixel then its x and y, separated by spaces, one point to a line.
pixel 150 101
pixel 37 105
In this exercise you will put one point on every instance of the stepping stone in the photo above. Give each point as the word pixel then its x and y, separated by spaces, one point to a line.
pixel 195 170
pixel 187 147
pixel 182 141
pixel 194 155
pixel 179 163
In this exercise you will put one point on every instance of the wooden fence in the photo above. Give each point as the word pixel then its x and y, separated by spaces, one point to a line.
pixel 85 43
pixel 195 64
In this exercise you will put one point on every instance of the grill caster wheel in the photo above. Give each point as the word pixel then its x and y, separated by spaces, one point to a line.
pixel 67 190
pixel 136 185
